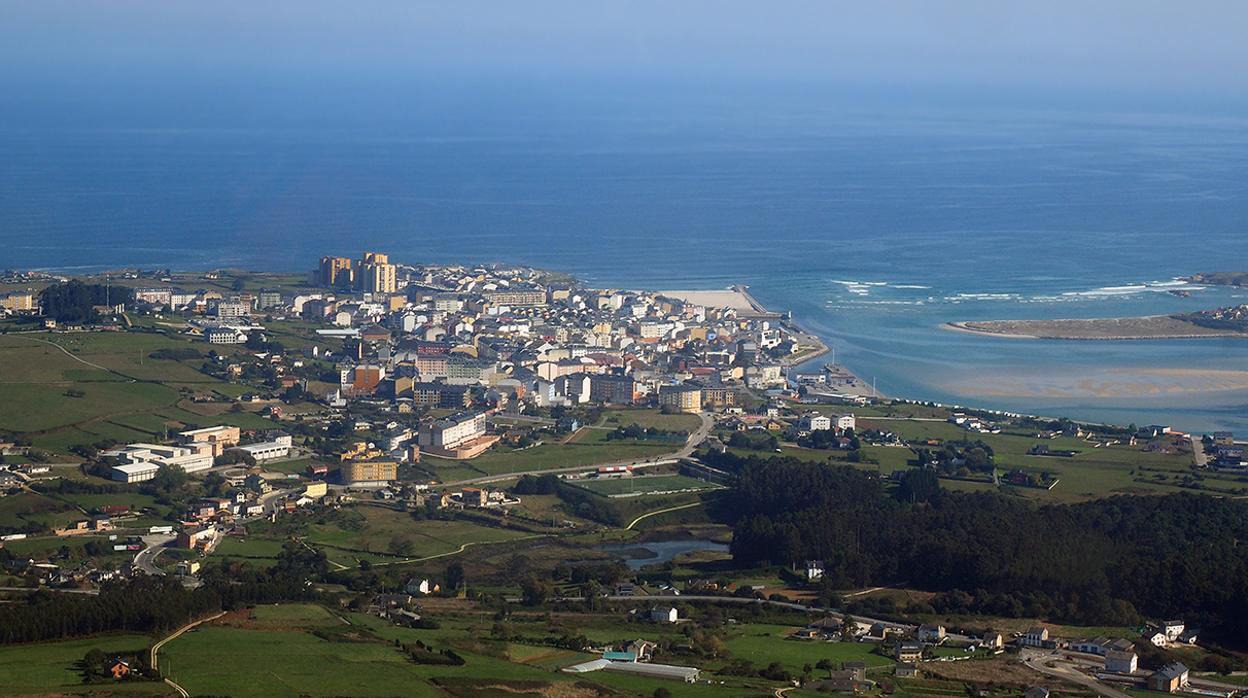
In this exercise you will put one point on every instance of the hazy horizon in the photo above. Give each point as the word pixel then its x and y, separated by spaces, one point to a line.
pixel 1180 58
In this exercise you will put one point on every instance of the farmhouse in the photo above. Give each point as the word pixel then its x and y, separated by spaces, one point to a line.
pixel 1168 679
pixel 1121 662
pixel 909 651
pixel 665 614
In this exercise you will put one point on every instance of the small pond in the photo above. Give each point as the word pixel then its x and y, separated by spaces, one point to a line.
pixel 638 555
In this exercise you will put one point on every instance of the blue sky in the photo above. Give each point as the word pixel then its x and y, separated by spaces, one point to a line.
pixel 1108 43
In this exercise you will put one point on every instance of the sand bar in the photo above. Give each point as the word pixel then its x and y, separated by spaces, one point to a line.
pixel 1147 327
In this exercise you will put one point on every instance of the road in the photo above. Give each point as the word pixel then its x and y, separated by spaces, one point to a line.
pixel 1198 451
pixel 698 436
pixel 146 558
pixel 1048 663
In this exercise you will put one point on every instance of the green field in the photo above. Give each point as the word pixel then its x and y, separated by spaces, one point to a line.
pixel 259 552
pixel 293 662
pixel 650 418
pixel 1094 472
pixel 48 668
pixel 120 392
pixel 283 663
pixel 763 644
pixel 18 510
pixel 642 485
pixel 372 542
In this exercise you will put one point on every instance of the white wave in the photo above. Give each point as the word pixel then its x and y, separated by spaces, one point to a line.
pixel 1133 289
pixel 983 297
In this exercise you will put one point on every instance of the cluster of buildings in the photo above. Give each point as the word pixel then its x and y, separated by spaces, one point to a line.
pixel 438 336
pixel 1225 452
pixel 635 658
pixel 196 451
pixel 372 273
pixel 974 424
pixel 18 303
pixel 141 462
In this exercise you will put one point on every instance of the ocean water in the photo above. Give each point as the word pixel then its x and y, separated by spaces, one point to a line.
pixel 873 224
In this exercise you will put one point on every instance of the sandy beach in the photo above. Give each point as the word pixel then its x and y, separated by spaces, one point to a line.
pixel 726 298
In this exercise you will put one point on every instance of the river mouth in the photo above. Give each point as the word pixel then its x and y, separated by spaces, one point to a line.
pixel 638 555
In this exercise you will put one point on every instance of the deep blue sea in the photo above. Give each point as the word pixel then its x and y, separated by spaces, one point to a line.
pixel 873 224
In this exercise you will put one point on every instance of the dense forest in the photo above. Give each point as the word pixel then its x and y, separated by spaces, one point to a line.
pixel 75 301
pixel 1109 561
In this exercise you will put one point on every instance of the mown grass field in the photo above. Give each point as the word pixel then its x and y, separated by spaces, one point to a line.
pixel 49 668
pixel 641 485
pixel 650 418
pixel 764 644
pixel 293 662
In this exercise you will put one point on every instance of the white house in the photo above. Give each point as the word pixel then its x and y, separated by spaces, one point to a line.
pixel 993 640
pixel 846 421
pixel 816 422
pixel 814 570
pixel 1035 637
pixel 1173 629
pixel 423 587
pixel 225 335
pixel 931 633
pixel 1121 662
pixel 666 614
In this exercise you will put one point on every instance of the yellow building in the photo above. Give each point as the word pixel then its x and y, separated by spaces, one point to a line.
pixel 337 271
pixel 377 277
pixel 682 397
pixel 369 471
pixel 316 489
pixel 18 301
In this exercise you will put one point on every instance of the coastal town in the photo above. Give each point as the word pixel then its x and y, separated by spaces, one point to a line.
pixel 436 445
